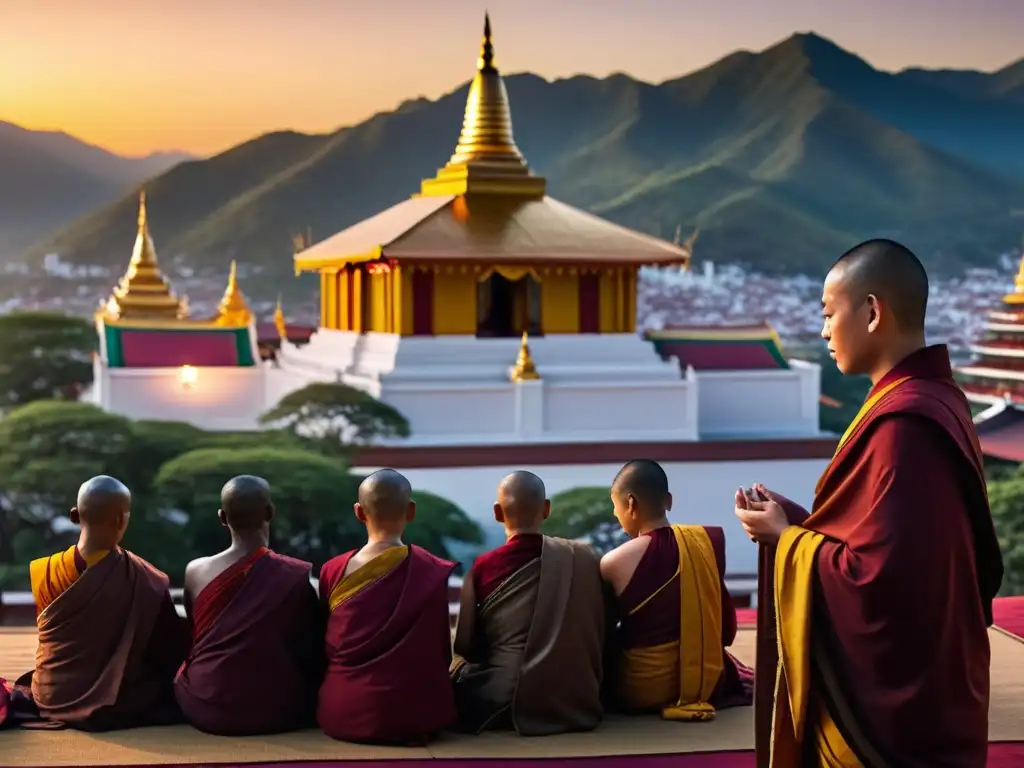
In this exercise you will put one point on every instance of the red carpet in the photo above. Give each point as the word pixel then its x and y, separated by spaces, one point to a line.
pixel 1000 755
pixel 1008 613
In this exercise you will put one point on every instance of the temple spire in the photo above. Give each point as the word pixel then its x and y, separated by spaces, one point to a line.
pixel 486 158
pixel 524 369
pixel 233 310
pixel 279 321
pixel 144 292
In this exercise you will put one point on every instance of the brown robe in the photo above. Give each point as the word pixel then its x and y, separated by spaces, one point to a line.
pixel 530 656
pixel 108 649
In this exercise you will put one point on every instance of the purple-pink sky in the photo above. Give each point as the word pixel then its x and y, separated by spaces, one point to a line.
pixel 201 75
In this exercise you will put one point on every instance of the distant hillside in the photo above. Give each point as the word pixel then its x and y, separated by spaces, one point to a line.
pixel 48 179
pixel 783 159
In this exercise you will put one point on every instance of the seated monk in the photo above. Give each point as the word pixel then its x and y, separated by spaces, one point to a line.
pixel 256 622
pixel 530 635
pixel 675 615
pixel 389 640
pixel 110 639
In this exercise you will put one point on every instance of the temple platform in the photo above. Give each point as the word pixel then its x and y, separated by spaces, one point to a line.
pixel 646 742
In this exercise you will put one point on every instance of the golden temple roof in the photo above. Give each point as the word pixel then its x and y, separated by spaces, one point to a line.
pixel 490 229
pixel 144 292
pixel 524 369
pixel 486 158
pixel 233 310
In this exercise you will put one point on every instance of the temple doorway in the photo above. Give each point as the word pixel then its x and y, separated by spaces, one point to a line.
pixel 506 308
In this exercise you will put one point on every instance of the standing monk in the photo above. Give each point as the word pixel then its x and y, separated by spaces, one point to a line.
pixel 530 636
pixel 389 639
pixel 110 639
pixel 256 622
pixel 675 614
pixel 884 592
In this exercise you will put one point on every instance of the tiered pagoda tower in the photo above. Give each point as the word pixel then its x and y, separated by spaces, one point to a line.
pixel 154 355
pixel 436 304
pixel 996 375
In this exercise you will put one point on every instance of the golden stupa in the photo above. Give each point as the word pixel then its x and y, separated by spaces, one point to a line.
pixel 525 369
pixel 233 310
pixel 1017 297
pixel 144 292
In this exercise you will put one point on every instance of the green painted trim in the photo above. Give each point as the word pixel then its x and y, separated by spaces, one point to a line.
pixel 244 356
pixel 115 353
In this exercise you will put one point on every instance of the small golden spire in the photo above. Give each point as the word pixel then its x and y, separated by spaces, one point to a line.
pixel 144 292
pixel 233 310
pixel 1017 297
pixel 282 327
pixel 524 369
pixel 486 158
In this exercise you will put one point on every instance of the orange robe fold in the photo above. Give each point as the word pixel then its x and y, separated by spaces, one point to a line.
pixel 883 596
pixel 655 616
pixel 388 647
pixel 258 622
pixel 109 644
pixel 52 576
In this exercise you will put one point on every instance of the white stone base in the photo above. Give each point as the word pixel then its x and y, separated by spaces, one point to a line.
pixel 455 390
pixel 225 399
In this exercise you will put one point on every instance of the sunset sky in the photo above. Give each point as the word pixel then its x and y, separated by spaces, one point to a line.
pixel 202 75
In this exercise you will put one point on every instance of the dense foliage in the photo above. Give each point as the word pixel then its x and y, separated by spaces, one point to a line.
pixel 1006 498
pixel 176 471
pixel 585 513
pixel 44 355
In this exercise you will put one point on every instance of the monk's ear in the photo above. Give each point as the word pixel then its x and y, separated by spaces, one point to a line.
pixel 668 502
pixel 411 514
pixel 270 512
pixel 874 313
pixel 547 508
pixel 360 514
pixel 74 517
pixel 222 518
pixel 499 513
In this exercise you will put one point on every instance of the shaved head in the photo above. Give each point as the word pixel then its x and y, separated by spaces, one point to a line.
pixel 522 499
pixel 386 496
pixel 890 272
pixel 646 482
pixel 101 499
pixel 245 502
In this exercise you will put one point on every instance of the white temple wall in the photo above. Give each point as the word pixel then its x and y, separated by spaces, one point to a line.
pixel 220 399
pixel 703 492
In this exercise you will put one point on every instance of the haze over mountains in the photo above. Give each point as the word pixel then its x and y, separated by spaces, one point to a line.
pixel 782 158
pixel 48 178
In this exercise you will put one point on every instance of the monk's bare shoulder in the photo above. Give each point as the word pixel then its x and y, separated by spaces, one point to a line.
pixel 194 573
pixel 617 566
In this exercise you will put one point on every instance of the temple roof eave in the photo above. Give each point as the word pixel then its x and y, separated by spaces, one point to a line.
pixel 987 372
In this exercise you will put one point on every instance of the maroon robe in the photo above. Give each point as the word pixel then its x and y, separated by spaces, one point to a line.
pixel 658 622
pixel 108 649
pixel 492 568
pixel 388 649
pixel 904 582
pixel 257 654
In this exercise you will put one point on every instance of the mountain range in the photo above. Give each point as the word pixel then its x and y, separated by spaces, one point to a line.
pixel 782 158
pixel 48 179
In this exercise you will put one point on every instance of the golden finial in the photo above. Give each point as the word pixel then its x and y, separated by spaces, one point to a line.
pixel 524 369
pixel 282 328
pixel 1017 297
pixel 688 247
pixel 233 310
pixel 486 158
pixel 143 292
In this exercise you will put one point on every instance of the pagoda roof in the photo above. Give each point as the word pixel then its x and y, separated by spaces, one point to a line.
pixel 1002 433
pixel 721 348
pixel 175 347
pixel 478 228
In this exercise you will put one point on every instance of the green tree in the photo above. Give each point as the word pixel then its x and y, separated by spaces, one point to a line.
pixel 312 494
pixel 585 513
pixel 1006 498
pixel 336 416
pixel 44 355
pixel 48 449
pixel 439 521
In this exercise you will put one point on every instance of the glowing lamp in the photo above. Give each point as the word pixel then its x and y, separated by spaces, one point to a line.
pixel 188 376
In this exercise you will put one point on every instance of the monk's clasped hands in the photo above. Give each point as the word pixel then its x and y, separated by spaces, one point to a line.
pixel 763 521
